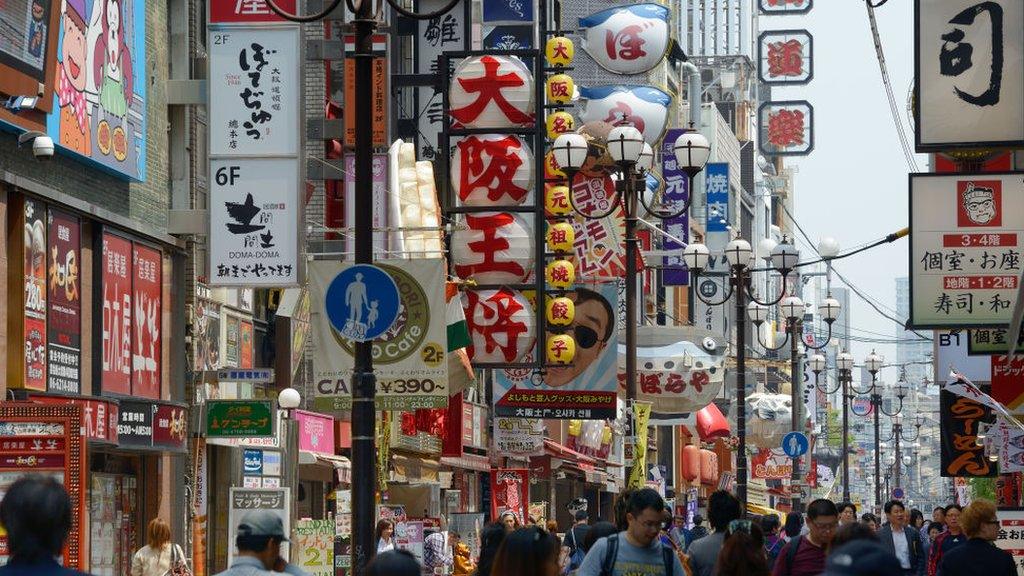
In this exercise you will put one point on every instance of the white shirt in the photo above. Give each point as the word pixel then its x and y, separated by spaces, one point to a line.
pixel 385 545
pixel 150 562
pixel 902 547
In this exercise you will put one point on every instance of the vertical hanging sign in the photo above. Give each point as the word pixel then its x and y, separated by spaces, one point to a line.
pixel 677 189
pixel 116 266
pixel 437 35
pixel 147 288
pixel 35 295
pixel 64 304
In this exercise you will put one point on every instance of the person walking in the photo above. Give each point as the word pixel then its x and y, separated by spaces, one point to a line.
pixel 439 553
pixel 947 541
pixel 573 540
pixel 870 520
pixel 979 554
pixel 805 555
pixel 527 551
pixel 159 554
pixel 36 513
pixel 491 538
pixel 723 508
pixel 743 551
pixel 773 542
pixel 903 541
pixel 259 537
pixel 393 563
pixel 699 530
pixel 679 535
pixel 794 526
pixel 636 551
pixel 385 535
pixel 847 513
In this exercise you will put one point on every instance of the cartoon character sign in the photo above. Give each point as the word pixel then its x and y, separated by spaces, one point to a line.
pixel 627 40
pixel 979 203
pixel 100 112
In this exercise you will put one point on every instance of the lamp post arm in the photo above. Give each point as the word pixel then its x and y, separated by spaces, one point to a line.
pixel 728 292
pixel 917 434
pixel 773 349
pixel 825 389
pixel 662 215
pixel 825 343
pixel 896 412
pixel 777 299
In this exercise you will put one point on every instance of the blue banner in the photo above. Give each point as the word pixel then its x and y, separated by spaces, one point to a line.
pixel 496 11
pixel 677 189
pixel 716 184
pixel 509 37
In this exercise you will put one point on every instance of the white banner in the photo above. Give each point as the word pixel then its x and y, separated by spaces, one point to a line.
pixel 255 91
pixel 409 360
pixel 254 220
pixel 242 500
pixel 518 436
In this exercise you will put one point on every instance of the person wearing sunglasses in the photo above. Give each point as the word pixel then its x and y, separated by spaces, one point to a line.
pixel 979 555
pixel 592 327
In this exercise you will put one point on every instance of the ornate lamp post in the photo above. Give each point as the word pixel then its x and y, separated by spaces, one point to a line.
pixel 844 362
pixel 633 158
pixel 873 362
pixel 897 434
pixel 784 257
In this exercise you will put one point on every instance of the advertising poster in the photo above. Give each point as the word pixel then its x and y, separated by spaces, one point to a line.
pixel 241 500
pixel 64 304
pixel 245 344
pixel 409 358
pixel 958 420
pixel 677 190
pixel 99 108
pixel 510 491
pixel 314 544
pixel 585 389
pixel 232 335
pixel 207 336
pixel 966 238
pixel 35 295
pixel 148 320
pixel 117 315
pixel 518 436
pixel 1011 535
pixel 316 432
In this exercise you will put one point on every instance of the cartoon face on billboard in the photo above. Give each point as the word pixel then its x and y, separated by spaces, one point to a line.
pixel 979 203
pixel 643 107
pixel 627 40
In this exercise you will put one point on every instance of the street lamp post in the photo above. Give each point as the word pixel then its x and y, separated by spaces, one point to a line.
pixel 288 400
pixel 897 435
pixel 844 361
pixel 783 258
pixel 873 362
pixel 633 158
pixel 793 310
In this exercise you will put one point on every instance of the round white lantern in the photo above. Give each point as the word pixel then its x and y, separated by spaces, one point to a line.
pixel 493 247
pixel 492 170
pixel 501 325
pixel 492 92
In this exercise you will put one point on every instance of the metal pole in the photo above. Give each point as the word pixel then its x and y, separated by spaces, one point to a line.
pixel 364 415
pixel 846 436
pixel 739 276
pixel 795 401
pixel 899 464
pixel 630 202
pixel 876 401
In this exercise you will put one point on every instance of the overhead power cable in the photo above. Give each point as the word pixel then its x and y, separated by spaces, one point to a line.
pixel 908 150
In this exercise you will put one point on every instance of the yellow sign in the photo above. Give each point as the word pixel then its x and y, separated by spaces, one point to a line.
pixel 641 418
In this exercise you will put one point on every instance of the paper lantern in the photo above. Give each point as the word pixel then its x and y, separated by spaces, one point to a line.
pixel 561 274
pixel 561 349
pixel 680 369
pixel 560 237
pixel 492 170
pixel 501 325
pixel 560 88
pixel 691 462
pixel 629 39
pixel 556 201
pixel 711 423
pixel 708 467
pixel 558 123
pixel 492 92
pixel 559 51
pixel 493 247
pixel 551 169
pixel 560 311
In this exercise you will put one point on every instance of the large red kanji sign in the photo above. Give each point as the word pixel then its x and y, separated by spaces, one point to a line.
pixel 493 248
pixel 501 325
pixel 785 57
pixel 492 92
pixel 786 128
pixel 492 169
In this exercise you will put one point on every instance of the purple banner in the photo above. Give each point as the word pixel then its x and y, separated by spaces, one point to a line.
pixel 677 187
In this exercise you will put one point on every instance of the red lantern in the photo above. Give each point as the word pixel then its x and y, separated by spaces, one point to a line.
pixel 691 462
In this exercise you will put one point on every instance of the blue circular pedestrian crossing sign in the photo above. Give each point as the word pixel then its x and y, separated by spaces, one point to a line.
pixel 362 303
pixel 795 444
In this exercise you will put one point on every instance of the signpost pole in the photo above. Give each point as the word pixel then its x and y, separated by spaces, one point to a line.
pixel 845 375
pixel 876 401
pixel 795 401
pixel 739 277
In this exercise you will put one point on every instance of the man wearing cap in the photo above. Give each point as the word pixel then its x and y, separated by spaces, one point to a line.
pixel 260 534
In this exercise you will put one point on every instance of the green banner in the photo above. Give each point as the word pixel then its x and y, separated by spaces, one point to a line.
pixel 239 418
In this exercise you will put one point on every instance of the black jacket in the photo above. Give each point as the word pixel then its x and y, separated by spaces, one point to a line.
pixel 45 567
pixel 977 556
pixel 918 561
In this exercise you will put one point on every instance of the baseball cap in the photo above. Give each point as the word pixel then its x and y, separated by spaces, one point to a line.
pixel 261 523
pixel 862 558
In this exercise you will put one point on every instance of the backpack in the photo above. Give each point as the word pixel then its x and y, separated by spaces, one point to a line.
pixel 576 558
pixel 794 545
pixel 772 552
pixel 612 552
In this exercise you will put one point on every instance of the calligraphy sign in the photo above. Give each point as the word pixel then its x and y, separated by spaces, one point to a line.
pixel 437 35
pixel 492 92
pixel 784 7
pixel 961 455
pixel 786 128
pixel 242 500
pixel 116 263
pixel 677 190
pixel 785 57
pixel 966 240
pixel 969 85
pixel 64 304
pixel 628 39
pixel 510 490
pixel 314 546
pixel 147 289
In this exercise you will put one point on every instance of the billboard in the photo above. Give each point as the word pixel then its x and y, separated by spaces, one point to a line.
pixel 116 266
pixel 147 289
pixel 64 304
pixel 35 295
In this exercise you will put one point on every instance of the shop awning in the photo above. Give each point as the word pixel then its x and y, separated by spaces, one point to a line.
pixel 341 465
pixel 468 462
pixel 557 450
pixel 414 469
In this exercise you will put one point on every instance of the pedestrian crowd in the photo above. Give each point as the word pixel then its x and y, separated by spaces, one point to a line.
pixel 644 540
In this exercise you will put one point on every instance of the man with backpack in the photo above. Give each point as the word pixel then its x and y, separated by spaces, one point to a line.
pixel 723 508
pixel 638 550
pixel 573 540
pixel 804 555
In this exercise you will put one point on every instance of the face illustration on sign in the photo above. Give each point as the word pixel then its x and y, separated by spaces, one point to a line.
pixel 957 55
pixel 627 40
pixel 591 327
pixel 979 203
pixel 642 107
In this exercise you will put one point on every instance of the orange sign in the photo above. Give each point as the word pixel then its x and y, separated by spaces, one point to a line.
pixel 379 117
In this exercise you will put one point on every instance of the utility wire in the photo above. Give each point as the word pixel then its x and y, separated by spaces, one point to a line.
pixel 908 150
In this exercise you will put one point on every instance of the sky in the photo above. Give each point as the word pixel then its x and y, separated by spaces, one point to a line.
pixel 853 186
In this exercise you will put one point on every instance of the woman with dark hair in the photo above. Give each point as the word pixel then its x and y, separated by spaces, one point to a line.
pixel 870 520
pixel 773 541
pixel 384 535
pixel 491 538
pixel 916 519
pixel 743 551
pixel 850 532
pixel 527 551
pixel 393 563
pixel 596 532
pixel 794 523
pixel 36 512
pixel 621 504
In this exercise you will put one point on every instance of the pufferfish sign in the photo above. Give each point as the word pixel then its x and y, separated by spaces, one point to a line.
pixel 629 39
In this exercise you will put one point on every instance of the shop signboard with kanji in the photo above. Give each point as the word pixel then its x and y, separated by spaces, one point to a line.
pixel 585 389
pixel 241 11
pixel 379 94
pixel 1011 535
pixel 116 274
pixel 64 304
pixel 239 418
pixel 46 440
pixel 989 341
pixel 35 260
pixel 314 545
pixel 784 7
pixel 677 190
pixel 409 358
pixel 785 57
pixel 242 500
pixel 969 84
pixel 786 128
pixel 444 33
pixel 966 239
pixel 510 490
pixel 147 290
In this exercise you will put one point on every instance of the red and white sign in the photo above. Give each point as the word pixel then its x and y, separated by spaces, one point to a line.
pixel 148 316
pixel 64 304
pixel 316 432
pixel 501 325
pixel 116 374
pixel 1011 535
pixel 233 11
pixel 768 465
pixel 170 427
pixel 492 170
pixel 787 128
pixel 492 92
pixel 99 417
pixel 510 489
pixel 629 39
pixel 785 57
pixel 494 248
